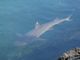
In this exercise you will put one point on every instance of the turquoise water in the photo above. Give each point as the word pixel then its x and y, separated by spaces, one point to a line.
pixel 20 16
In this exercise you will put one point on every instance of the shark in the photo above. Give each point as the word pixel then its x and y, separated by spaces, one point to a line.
pixel 39 30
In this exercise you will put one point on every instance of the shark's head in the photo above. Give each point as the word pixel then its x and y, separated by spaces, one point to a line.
pixel 24 40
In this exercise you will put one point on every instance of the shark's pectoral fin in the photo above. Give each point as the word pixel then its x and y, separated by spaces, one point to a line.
pixel 19 34
pixel 41 39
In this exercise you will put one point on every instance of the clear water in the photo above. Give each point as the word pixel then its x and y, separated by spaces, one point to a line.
pixel 19 16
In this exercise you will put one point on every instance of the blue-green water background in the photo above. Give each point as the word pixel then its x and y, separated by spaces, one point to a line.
pixel 19 16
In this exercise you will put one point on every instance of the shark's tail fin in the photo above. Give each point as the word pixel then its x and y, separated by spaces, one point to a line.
pixel 68 18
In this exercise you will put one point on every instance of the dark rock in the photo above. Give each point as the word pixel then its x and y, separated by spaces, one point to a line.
pixel 73 54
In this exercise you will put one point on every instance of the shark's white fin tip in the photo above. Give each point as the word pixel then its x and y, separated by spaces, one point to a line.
pixel 37 24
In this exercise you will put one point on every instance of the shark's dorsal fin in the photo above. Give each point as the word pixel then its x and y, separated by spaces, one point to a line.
pixel 37 25
pixel 56 19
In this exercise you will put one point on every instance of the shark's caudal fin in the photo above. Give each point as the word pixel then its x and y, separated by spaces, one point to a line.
pixel 37 25
pixel 68 18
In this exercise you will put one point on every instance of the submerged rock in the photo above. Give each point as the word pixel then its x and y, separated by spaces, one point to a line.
pixel 73 54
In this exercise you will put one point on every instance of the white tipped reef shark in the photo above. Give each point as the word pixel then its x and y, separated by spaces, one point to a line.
pixel 39 30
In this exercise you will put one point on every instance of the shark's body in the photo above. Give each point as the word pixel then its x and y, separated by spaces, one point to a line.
pixel 40 30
